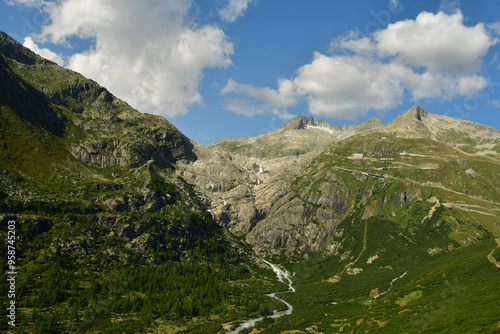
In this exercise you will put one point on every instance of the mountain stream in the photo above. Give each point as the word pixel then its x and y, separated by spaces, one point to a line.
pixel 281 274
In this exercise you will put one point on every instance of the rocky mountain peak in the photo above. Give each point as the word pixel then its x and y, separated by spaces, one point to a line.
pixel 415 112
pixel 299 122
pixel 323 123
pixel 410 123
pixel 374 121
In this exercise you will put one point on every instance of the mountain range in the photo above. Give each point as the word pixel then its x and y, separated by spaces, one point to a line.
pixel 125 225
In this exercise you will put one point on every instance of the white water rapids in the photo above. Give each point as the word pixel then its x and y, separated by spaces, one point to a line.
pixel 392 282
pixel 281 274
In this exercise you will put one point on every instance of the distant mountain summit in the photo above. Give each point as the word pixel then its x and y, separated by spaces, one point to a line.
pixel 299 122
pixel 410 123
pixel 302 134
pixel 299 136
pixel 465 135
pixel 414 112
pixel 303 122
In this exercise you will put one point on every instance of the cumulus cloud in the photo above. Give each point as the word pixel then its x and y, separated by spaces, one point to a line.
pixel 145 52
pixel 259 101
pixel 84 19
pixel 340 85
pixel 433 56
pixel 353 43
pixel 44 52
pixel 245 107
pixel 250 108
pixel 436 41
pixel 233 10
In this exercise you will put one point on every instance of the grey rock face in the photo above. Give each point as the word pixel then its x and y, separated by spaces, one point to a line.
pixel 298 225
pixel 262 204
pixel 131 152
pixel 299 122
pixel 115 134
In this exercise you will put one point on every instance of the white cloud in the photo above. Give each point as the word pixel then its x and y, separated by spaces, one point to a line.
pixel 234 9
pixel 355 44
pixel 144 51
pixel 259 101
pixel 395 5
pixel 344 87
pixel 434 56
pixel 449 6
pixel 471 84
pixel 436 41
pixel 495 27
pixel 45 53
pixel 243 106
pixel 284 97
pixel 246 107
pixel 84 19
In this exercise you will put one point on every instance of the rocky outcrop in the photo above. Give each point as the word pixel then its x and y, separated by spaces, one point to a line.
pixel 303 122
pixel 115 134
pixel 163 147
pixel 322 123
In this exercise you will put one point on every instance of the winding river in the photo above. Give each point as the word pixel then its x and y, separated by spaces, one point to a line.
pixel 282 275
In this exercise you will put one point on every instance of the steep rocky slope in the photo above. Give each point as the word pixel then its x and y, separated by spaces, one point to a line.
pixel 68 145
pixel 101 130
pixel 242 192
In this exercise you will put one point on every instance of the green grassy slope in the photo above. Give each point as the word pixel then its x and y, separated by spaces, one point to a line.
pixel 445 293
pixel 419 218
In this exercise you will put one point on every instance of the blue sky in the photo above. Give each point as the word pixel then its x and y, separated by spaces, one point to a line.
pixel 236 68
